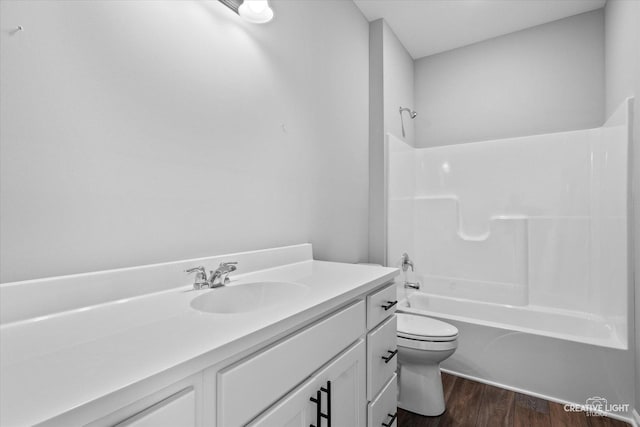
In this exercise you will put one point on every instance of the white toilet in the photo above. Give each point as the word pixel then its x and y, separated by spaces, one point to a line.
pixel 423 343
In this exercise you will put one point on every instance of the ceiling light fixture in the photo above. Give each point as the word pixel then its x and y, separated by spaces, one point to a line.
pixel 255 11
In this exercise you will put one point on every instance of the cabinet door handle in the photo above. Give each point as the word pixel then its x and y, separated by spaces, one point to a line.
pixel 327 390
pixel 391 355
pixel 389 304
pixel 318 401
pixel 390 423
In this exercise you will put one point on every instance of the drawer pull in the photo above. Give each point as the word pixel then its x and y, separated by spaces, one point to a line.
pixel 389 304
pixel 328 414
pixel 318 401
pixel 390 423
pixel 391 355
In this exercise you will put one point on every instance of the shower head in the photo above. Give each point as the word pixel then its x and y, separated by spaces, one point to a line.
pixel 412 113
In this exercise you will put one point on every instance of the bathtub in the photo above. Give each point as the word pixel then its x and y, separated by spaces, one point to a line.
pixel 525 253
pixel 532 350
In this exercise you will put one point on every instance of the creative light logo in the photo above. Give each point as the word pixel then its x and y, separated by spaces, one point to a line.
pixel 597 406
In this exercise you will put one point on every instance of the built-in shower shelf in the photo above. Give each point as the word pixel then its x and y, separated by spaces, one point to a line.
pixel 462 232
pixel 498 255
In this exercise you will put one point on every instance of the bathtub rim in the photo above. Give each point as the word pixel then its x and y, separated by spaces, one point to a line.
pixel 614 341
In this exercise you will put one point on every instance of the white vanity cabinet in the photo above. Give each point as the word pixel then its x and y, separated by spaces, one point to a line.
pixel 291 341
pixel 335 371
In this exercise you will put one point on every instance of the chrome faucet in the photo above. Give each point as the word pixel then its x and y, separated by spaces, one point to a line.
pixel 217 278
pixel 220 277
pixel 405 262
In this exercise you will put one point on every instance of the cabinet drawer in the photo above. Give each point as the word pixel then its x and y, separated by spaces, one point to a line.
pixel 248 387
pixel 384 410
pixel 381 342
pixel 381 305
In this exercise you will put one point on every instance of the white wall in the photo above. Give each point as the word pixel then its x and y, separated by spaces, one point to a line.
pixel 398 86
pixel 401 190
pixel 391 86
pixel 377 190
pixel 138 132
pixel 621 51
pixel 543 79
pixel 622 37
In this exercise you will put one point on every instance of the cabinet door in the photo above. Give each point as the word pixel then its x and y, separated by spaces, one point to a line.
pixel 294 410
pixel 179 404
pixel 250 386
pixel 348 389
pixel 340 388
pixel 176 410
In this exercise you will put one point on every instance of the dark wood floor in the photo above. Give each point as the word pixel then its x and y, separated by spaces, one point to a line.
pixel 473 404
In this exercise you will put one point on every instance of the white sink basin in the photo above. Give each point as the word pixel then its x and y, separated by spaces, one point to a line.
pixel 247 297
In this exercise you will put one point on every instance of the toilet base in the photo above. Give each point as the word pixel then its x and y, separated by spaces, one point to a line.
pixel 421 389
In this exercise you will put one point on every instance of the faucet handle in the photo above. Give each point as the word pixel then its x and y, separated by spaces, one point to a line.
pixel 201 276
pixel 221 275
pixel 223 264
pixel 194 269
pixel 229 266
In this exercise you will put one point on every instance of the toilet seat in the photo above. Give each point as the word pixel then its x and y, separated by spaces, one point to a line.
pixel 430 346
pixel 420 328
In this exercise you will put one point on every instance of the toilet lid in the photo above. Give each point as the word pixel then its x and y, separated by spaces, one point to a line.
pixel 425 328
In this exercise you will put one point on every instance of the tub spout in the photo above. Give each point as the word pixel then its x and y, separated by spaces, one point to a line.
pixel 412 285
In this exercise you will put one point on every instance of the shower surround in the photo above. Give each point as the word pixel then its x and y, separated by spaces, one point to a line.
pixel 522 244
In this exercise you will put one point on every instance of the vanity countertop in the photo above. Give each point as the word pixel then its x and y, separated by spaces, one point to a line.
pixel 54 363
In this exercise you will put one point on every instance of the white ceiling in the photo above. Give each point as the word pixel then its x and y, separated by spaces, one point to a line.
pixel 426 27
